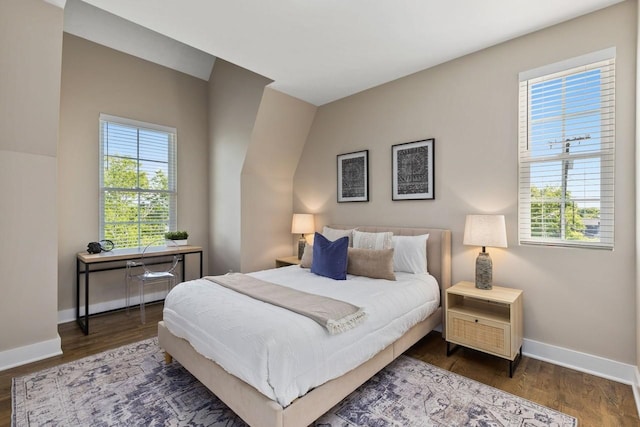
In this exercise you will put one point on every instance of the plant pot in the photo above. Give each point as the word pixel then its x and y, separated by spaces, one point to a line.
pixel 176 242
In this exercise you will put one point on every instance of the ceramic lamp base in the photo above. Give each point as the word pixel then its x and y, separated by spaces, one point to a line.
pixel 301 244
pixel 484 271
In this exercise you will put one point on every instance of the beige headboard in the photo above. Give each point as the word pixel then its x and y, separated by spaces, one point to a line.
pixel 438 248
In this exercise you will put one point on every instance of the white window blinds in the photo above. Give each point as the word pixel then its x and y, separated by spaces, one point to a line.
pixel 566 152
pixel 137 181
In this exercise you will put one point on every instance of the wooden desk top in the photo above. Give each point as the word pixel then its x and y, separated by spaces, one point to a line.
pixel 134 253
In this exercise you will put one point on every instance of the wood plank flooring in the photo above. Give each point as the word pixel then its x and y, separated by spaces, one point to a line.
pixel 596 402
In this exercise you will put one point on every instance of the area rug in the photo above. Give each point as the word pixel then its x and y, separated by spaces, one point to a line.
pixel 133 386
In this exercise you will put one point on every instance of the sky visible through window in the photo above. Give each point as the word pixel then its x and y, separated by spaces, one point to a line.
pixel 565 124
pixel 152 149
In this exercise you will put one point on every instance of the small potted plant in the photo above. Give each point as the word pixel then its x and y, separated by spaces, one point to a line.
pixel 176 238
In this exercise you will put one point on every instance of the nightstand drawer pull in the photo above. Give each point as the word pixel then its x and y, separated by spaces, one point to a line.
pixel 476 320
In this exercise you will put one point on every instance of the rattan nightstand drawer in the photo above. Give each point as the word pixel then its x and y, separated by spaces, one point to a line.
pixel 485 320
pixel 482 334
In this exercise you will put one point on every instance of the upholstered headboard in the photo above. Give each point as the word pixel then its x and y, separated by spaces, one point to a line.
pixel 438 248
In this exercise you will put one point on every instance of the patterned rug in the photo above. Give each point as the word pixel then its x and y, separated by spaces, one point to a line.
pixel 132 386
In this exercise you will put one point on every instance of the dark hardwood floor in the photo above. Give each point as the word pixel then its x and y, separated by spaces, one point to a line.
pixel 107 331
pixel 596 402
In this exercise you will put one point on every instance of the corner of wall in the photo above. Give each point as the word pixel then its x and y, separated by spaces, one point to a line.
pixel 28 176
pixel 636 389
pixel 282 125
pixel 234 99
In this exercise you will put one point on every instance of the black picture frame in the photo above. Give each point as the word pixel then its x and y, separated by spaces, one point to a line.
pixel 353 177
pixel 412 168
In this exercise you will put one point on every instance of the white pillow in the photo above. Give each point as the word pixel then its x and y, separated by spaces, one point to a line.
pixel 410 253
pixel 334 234
pixel 377 241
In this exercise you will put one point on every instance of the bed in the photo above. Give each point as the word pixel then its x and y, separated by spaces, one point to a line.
pixel 256 407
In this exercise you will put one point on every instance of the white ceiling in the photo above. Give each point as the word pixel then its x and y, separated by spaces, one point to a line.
pixel 323 50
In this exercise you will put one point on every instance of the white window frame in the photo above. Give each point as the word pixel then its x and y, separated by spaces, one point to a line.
pixel 172 174
pixel 603 60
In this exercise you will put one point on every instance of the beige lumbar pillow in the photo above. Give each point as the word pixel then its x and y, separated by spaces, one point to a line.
pixel 307 256
pixel 377 264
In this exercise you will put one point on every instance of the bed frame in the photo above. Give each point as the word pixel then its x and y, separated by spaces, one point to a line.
pixel 258 410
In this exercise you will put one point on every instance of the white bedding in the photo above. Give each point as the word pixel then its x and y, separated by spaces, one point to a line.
pixel 283 354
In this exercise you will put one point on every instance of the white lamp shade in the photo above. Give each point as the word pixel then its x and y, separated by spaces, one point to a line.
pixel 302 224
pixel 485 230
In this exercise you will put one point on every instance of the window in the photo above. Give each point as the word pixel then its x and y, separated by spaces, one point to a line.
pixel 566 152
pixel 137 181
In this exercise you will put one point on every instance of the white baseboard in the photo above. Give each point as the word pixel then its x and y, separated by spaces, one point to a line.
pixel 30 353
pixel 583 362
pixel 42 350
pixel 69 315
pixel 595 365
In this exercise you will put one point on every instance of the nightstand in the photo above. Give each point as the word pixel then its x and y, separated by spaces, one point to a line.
pixel 485 320
pixel 287 260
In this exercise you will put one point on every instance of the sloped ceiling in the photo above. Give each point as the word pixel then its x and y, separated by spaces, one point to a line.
pixel 91 23
pixel 320 51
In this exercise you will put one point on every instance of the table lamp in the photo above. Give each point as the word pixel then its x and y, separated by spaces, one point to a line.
pixel 485 230
pixel 302 224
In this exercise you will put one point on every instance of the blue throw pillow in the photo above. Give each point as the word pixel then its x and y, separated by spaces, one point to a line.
pixel 330 258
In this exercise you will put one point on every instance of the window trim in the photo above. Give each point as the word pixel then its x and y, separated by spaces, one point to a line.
pixel 173 165
pixel 606 153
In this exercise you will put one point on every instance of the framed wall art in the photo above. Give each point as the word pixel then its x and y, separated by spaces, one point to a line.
pixel 353 177
pixel 413 170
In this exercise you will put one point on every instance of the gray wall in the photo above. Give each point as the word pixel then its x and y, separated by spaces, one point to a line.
pixel 234 99
pixel 579 299
pixel 30 52
pixel 278 138
pixel 256 137
pixel 97 79
pixel 637 205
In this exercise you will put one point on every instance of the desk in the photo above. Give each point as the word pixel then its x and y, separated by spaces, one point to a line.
pixel 89 263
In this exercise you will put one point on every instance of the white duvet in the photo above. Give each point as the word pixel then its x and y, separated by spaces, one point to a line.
pixel 283 354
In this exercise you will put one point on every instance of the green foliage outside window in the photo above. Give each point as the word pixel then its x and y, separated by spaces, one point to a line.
pixel 136 206
pixel 546 212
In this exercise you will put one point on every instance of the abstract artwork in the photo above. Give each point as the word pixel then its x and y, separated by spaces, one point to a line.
pixel 353 177
pixel 412 169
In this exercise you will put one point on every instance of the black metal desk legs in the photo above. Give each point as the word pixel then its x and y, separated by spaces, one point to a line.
pixel 84 325
pixel 184 262
pixel 83 321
